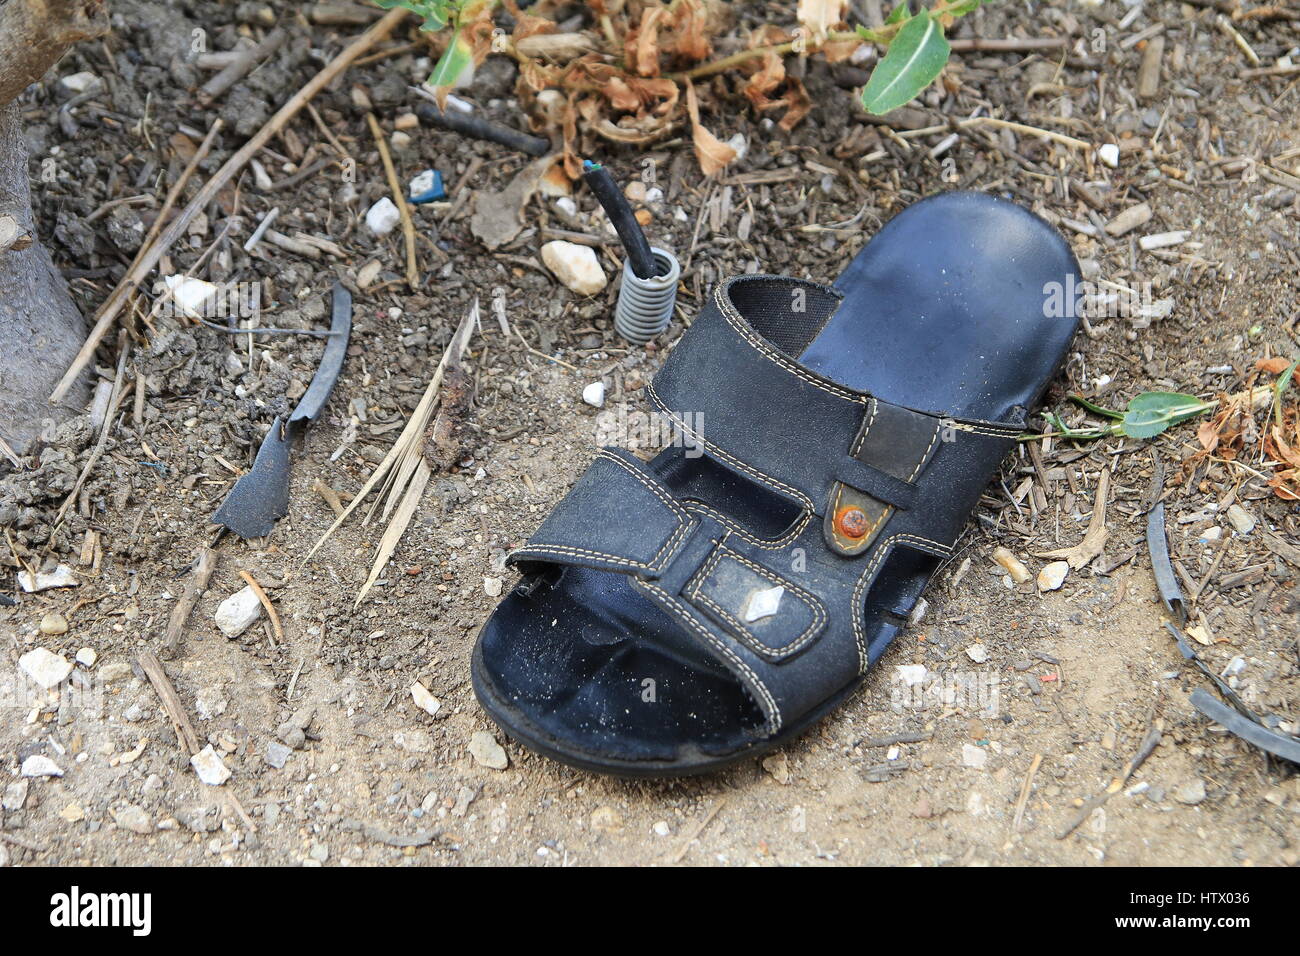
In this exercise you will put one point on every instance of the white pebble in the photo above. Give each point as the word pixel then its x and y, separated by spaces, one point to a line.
pixel 1109 154
pixel 86 657
pixel 594 394
pixel 38 765
pixel 383 217
pixel 574 265
pixel 424 700
pixel 239 612
pixel 1052 576
pixel 45 667
pixel 209 767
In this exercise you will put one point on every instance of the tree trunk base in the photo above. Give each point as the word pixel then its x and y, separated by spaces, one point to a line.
pixel 40 327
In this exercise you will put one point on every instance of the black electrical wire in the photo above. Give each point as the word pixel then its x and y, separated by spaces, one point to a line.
pixel 620 214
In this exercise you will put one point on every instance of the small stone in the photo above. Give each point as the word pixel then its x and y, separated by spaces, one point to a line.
pixel 109 673
pixel 911 674
pixel 463 799
pixel 54 623
pixel 1109 154
pixel 383 217
pixel 134 819
pixel 368 273
pixel 1234 667
pixel 190 295
pixel 86 657
pixel 1013 565
pixel 73 813
pixel 974 757
pixel 740 144
pixel 978 653
pixel 239 612
pixel 1191 793
pixel 44 667
pixel 606 818
pixel 209 767
pixel 60 577
pixel 661 828
pixel 39 765
pixel 319 852
pixel 487 752
pixel 492 586
pixel 424 700
pixel 15 796
pixel 575 266
pixel 778 765
pixel 277 754
pixel 635 191
pixel 1242 520
pixel 413 741
pixel 1052 576
pixel 594 394
pixel 80 82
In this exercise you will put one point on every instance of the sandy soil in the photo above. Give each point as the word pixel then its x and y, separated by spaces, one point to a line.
pixel 1082 674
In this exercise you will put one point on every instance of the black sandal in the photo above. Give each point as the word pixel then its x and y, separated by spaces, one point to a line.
pixel 677 616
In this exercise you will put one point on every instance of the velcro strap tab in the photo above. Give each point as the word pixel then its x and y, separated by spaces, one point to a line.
pixel 618 517
pixel 897 441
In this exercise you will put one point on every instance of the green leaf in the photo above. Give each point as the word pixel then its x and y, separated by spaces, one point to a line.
pixel 1094 408
pixel 915 57
pixel 962 8
pixel 456 59
pixel 899 14
pixel 1151 413
pixel 1279 388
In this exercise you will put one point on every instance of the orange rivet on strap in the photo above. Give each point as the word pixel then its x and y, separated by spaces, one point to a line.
pixel 851 521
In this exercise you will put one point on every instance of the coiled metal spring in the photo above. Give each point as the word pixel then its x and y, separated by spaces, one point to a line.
pixel 645 306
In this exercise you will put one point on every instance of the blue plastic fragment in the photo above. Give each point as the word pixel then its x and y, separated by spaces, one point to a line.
pixel 427 187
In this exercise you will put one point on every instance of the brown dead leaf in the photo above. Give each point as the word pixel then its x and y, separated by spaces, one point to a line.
pixel 1286 451
pixel 643 42
pixel 692 28
pixel 818 16
pixel 1274 366
pixel 799 104
pixel 712 153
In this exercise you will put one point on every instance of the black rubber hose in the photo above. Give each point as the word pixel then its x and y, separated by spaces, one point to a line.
pixel 469 125
pixel 620 214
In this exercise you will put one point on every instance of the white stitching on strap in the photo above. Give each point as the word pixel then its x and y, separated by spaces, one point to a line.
pixel 925 457
pixel 746 634
pixel 726 457
pixel 750 335
pixel 661 555
pixel 777 544
pixel 766 700
pixel 859 609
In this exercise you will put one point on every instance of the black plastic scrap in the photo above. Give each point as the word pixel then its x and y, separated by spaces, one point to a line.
pixel 261 497
pixel 1280 745
pixel 1161 566
pixel 476 128
pixel 1241 721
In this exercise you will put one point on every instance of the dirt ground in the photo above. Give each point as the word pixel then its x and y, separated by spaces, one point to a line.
pixel 1081 674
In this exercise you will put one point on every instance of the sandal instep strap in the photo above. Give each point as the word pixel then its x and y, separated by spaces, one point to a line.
pixel 734 387
pixel 617 517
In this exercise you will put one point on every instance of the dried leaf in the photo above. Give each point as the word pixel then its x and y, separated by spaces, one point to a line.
pixel 644 42
pixel 818 16
pixel 712 153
